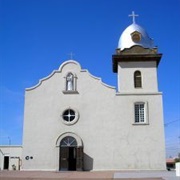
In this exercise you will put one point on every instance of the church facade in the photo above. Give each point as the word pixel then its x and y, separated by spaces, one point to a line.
pixel 74 122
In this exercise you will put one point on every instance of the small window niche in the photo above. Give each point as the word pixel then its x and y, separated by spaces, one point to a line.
pixel 70 84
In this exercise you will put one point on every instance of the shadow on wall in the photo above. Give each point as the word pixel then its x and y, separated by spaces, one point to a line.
pixel 88 162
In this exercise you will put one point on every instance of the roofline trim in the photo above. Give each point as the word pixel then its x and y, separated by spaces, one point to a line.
pixel 134 58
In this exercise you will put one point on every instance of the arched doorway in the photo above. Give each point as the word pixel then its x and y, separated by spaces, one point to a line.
pixel 70 154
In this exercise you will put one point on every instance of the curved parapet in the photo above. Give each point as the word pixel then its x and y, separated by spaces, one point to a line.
pixel 100 79
pixel 65 68
pixel 71 63
pixel 41 80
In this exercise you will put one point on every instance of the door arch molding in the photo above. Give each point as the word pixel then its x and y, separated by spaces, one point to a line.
pixel 75 136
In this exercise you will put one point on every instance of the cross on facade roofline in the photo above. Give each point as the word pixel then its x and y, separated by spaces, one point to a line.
pixel 71 55
pixel 133 15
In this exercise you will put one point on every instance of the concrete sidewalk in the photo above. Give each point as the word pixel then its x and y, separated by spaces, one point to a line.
pixel 165 175
pixel 100 175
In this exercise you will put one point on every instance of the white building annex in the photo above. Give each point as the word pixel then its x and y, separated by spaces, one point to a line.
pixel 73 121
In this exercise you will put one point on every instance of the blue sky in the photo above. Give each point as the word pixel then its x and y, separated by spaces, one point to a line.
pixel 36 36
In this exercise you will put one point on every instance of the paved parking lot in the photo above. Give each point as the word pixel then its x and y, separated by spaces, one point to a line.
pixel 105 175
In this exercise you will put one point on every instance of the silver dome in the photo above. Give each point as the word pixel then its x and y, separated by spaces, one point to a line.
pixel 126 41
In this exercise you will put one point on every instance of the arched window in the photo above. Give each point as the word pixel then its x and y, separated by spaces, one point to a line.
pixel 70 82
pixel 68 141
pixel 137 79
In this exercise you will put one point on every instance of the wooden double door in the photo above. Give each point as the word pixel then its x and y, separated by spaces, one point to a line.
pixel 70 155
pixel 71 159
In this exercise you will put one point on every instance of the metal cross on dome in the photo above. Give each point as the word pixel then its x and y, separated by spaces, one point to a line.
pixel 133 15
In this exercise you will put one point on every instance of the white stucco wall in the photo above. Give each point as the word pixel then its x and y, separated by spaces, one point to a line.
pixel 126 76
pixel 1 159
pixel 111 140
pixel 15 156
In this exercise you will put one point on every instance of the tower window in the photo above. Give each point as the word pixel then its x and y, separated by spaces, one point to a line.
pixel 141 113
pixel 136 36
pixel 139 109
pixel 137 79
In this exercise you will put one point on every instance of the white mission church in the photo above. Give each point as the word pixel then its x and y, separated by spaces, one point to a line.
pixel 74 122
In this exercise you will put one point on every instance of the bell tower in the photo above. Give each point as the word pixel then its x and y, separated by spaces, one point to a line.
pixel 136 61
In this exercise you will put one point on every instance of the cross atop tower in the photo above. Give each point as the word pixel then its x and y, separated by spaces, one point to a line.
pixel 133 15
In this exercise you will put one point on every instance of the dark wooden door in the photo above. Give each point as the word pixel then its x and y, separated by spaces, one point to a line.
pixel 72 159
pixel 68 159
pixel 64 158
pixel 79 158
